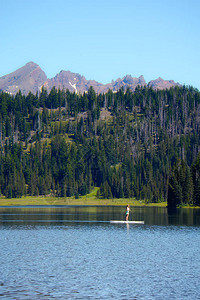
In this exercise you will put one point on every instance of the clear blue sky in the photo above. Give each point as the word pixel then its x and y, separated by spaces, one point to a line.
pixel 103 40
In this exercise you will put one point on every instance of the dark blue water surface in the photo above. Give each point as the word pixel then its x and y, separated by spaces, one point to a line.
pixel 75 253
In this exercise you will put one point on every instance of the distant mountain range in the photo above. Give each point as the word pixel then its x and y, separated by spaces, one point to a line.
pixel 31 78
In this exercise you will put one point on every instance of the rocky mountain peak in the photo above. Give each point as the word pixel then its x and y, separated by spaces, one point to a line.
pixel 161 84
pixel 28 78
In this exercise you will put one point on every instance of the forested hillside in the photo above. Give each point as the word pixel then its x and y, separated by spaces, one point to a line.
pixel 130 144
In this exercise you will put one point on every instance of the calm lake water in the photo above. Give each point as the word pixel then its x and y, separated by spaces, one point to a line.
pixel 75 253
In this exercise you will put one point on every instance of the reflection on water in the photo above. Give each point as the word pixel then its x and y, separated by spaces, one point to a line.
pixel 68 214
pixel 75 253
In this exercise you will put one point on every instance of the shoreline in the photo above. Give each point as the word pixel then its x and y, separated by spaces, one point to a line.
pixel 82 201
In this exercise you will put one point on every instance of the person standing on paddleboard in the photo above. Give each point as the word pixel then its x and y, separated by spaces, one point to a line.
pixel 127 212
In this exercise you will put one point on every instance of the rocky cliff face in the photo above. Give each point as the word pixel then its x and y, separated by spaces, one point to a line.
pixel 31 78
pixel 161 84
pixel 74 82
pixel 28 78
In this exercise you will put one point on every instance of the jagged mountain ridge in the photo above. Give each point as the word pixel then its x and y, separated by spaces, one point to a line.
pixel 31 78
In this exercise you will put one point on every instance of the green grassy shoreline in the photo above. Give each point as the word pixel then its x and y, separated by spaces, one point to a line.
pixel 41 200
pixel 88 200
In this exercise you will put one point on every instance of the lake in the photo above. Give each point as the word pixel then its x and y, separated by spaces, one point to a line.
pixel 75 253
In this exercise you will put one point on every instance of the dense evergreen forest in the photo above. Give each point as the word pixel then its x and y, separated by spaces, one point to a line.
pixel 141 144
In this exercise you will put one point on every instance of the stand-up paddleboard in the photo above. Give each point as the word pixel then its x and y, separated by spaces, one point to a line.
pixel 127 222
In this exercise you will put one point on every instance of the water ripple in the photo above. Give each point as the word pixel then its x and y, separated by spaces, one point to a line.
pixel 96 260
